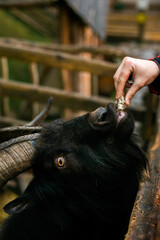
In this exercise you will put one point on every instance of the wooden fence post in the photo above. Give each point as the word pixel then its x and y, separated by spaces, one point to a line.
pixel 35 81
pixel 5 76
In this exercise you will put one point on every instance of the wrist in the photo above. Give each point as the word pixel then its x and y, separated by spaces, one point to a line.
pixel 156 60
pixel 155 67
pixel 154 86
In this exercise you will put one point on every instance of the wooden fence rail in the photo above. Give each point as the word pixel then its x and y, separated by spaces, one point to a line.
pixel 49 55
pixel 145 218
pixel 57 59
pixel 104 50
pixel 62 98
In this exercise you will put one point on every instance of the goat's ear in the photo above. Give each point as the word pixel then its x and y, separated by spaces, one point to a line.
pixel 19 204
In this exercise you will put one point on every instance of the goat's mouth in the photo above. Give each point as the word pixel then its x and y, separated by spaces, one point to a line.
pixel 121 115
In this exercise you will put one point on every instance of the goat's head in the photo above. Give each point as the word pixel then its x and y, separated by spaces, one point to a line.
pixel 92 159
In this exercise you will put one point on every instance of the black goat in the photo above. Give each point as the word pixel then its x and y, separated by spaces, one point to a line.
pixel 86 176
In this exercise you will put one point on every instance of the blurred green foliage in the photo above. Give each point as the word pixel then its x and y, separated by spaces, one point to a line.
pixel 11 26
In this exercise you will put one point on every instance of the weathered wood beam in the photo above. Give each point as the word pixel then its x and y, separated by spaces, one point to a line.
pixel 145 218
pixel 105 50
pixel 25 3
pixel 35 81
pixel 62 98
pixel 5 76
pixel 57 59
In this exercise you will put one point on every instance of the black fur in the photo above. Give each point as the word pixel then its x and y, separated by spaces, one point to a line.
pixel 92 195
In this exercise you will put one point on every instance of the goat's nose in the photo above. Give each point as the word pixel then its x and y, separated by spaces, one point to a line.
pixel 99 115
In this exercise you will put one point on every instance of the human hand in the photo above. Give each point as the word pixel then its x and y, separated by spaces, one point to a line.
pixel 143 73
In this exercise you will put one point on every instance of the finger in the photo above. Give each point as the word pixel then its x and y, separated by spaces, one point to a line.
pixel 123 77
pixel 131 92
pixel 116 75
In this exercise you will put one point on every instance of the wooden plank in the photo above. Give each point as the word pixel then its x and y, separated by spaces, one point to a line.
pixel 35 81
pixel 145 215
pixel 65 38
pixel 5 75
pixel 62 98
pixel 123 24
pixel 105 50
pixel 25 3
pixel 5 70
pixel 57 59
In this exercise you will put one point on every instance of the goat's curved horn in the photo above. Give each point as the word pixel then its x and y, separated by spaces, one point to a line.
pixel 30 128
pixel 18 140
pixel 16 158
pixel 14 132
pixel 42 115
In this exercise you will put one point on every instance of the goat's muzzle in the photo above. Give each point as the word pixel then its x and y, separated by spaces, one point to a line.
pixel 102 117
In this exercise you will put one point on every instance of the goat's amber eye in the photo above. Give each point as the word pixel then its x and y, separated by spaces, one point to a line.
pixel 60 161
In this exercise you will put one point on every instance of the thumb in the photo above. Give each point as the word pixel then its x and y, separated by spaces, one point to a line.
pixel 131 92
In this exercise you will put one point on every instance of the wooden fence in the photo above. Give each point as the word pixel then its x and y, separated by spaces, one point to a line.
pixel 60 57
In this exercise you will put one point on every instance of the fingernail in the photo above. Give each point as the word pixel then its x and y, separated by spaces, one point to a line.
pixel 127 102
pixel 117 96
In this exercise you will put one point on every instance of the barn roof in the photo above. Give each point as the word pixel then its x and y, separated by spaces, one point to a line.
pixel 93 12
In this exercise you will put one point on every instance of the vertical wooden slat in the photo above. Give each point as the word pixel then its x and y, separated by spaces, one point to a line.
pixel 65 38
pixel 84 78
pixel 35 81
pixel 5 76
pixel 95 85
pixel 65 30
